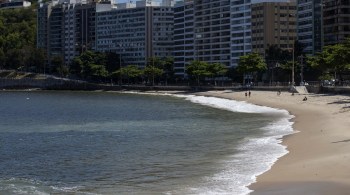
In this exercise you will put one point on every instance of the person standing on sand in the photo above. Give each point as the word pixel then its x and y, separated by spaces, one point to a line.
pixel 245 94
pixel 249 93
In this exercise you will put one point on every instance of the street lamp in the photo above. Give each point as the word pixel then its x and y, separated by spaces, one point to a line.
pixel 120 64
pixel 293 82
pixel 198 36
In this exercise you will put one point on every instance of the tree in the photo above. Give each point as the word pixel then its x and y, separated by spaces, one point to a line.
pixel 97 71
pixel 112 62
pixel 15 59
pixel 152 72
pixel 2 58
pixel 17 37
pixel 168 68
pixel 251 64
pixel 130 72
pixel 333 58
pixel 62 70
pixel 36 60
pixel 216 69
pixel 57 63
pixel 198 70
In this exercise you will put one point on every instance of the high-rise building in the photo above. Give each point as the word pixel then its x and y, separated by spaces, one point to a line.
pixel 55 35
pixel 222 30
pixel 309 25
pixel 240 29
pixel 67 27
pixel 183 36
pixel 13 4
pixel 85 17
pixel 137 32
pixel 43 14
pixel 212 31
pixel 336 21
pixel 56 29
pixel 69 33
pixel 273 23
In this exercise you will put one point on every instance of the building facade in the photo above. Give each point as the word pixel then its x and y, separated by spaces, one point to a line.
pixel 212 31
pixel 273 23
pixel 137 33
pixel 240 29
pixel 183 36
pixel 44 12
pixel 65 28
pixel 12 4
pixel 309 25
pixel 85 24
pixel 336 21
pixel 69 33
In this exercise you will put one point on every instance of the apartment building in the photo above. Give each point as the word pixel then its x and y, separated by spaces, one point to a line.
pixel 69 26
pixel 43 14
pixel 13 4
pixel 66 28
pixel 240 29
pixel 85 21
pixel 184 51
pixel 220 30
pixel 212 31
pixel 309 25
pixel 273 23
pixel 136 31
pixel 56 29
pixel 336 21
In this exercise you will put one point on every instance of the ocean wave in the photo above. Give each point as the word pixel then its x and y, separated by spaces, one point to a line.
pixel 255 156
pixel 30 186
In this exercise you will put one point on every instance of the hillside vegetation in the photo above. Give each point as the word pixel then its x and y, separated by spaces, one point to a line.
pixel 18 40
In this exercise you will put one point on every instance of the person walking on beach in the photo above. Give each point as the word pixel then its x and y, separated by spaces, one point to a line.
pixel 246 94
pixel 249 93
pixel 279 92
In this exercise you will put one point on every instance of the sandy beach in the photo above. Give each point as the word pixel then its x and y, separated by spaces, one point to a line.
pixel 318 161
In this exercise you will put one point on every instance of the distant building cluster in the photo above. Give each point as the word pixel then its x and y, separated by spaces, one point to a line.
pixel 206 30
pixel 12 4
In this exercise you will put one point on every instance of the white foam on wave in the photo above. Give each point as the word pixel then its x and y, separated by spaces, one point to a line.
pixel 256 156
pixel 30 186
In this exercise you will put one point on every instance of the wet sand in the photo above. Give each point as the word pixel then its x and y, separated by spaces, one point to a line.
pixel 318 161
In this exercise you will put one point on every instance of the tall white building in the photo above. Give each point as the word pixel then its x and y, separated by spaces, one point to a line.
pixel 137 32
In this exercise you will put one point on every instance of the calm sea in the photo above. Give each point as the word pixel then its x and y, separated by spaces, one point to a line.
pixel 112 143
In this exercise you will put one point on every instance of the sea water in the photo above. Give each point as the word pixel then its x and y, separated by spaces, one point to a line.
pixel 112 143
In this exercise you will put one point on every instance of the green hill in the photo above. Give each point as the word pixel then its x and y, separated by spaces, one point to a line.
pixel 18 38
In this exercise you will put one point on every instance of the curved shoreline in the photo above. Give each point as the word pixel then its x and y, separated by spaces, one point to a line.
pixel 319 155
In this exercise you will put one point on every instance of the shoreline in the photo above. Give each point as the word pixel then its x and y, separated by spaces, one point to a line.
pixel 319 154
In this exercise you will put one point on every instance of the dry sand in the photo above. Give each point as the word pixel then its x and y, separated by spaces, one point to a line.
pixel 318 161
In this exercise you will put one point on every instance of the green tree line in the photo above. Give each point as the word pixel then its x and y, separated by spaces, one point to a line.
pixel 333 62
pixel 18 40
pixel 103 67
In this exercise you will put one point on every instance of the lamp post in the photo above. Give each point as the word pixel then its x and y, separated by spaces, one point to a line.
pixel 120 64
pixel 198 36
pixel 293 83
